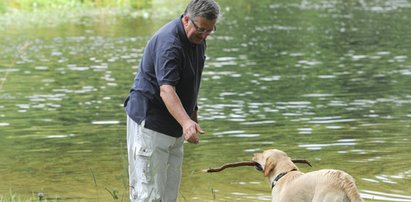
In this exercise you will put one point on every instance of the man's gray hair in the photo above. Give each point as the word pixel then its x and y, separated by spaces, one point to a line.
pixel 208 9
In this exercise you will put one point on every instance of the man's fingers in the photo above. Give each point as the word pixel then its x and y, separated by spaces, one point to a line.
pixel 199 130
pixel 191 133
pixel 193 139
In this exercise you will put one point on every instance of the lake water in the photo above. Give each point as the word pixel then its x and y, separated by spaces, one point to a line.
pixel 327 81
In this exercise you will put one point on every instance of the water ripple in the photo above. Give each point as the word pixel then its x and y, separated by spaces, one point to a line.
pixel 59 136
pixel 105 122
pixel 4 124
pixel 342 142
pixel 374 195
pixel 331 120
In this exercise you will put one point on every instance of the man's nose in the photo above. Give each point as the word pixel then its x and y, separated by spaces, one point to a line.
pixel 205 35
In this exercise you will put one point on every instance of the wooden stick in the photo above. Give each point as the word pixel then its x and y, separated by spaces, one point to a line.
pixel 247 163
pixel 301 161
pixel 230 165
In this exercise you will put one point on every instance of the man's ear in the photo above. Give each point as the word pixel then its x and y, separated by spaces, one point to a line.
pixel 269 166
pixel 186 20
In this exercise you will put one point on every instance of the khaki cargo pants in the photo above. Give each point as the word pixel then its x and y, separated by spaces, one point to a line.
pixel 155 162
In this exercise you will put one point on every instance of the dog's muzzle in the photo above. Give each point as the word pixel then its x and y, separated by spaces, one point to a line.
pixel 258 167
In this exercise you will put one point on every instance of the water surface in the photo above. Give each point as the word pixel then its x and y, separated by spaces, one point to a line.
pixel 327 81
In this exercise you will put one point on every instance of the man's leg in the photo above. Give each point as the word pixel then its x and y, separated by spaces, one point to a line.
pixel 135 167
pixel 175 161
pixel 148 153
pixel 147 166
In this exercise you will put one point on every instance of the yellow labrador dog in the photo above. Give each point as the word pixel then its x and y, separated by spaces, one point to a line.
pixel 289 184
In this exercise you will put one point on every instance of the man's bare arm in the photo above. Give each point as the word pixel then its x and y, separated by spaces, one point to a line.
pixel 176 109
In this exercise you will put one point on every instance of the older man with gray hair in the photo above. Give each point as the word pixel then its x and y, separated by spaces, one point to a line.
pixel 162 104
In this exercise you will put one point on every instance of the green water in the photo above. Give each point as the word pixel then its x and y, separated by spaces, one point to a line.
pixel 328 81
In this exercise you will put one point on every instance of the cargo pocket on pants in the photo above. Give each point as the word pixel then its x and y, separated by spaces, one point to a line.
pixel 143 156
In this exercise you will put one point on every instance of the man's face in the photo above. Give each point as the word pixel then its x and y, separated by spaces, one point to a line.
pixel 198 29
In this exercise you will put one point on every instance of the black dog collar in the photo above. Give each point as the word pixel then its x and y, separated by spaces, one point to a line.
pixel 279 176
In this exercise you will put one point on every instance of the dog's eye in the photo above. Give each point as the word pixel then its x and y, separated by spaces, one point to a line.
pixel 258 167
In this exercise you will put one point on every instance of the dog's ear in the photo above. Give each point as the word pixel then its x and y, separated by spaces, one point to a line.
pixel 269 166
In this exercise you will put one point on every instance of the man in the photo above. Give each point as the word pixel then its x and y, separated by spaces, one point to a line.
pixel 162 104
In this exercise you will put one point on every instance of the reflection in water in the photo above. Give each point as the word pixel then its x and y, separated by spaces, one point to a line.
pixel 327 81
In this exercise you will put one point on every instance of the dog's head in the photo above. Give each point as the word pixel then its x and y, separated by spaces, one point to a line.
pixel 267 161
pixel 273 159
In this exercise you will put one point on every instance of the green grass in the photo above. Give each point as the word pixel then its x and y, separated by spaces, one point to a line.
pixel 36 13
pixel 32 5
pixel 115 194
pixel 15 198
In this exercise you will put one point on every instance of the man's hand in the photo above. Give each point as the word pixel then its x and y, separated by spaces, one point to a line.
pixel 191 129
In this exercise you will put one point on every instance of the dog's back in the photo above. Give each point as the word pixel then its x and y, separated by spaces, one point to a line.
pixel 291 185
pixel 322 185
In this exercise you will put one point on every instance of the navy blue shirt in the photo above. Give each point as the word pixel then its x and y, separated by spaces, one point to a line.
pixel 169 58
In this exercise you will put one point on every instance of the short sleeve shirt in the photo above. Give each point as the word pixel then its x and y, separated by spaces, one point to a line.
pixel 169 58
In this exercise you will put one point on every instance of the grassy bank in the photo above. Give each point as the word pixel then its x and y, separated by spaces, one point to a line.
pixel 15 198
pixel 30 5
pixel 16 14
